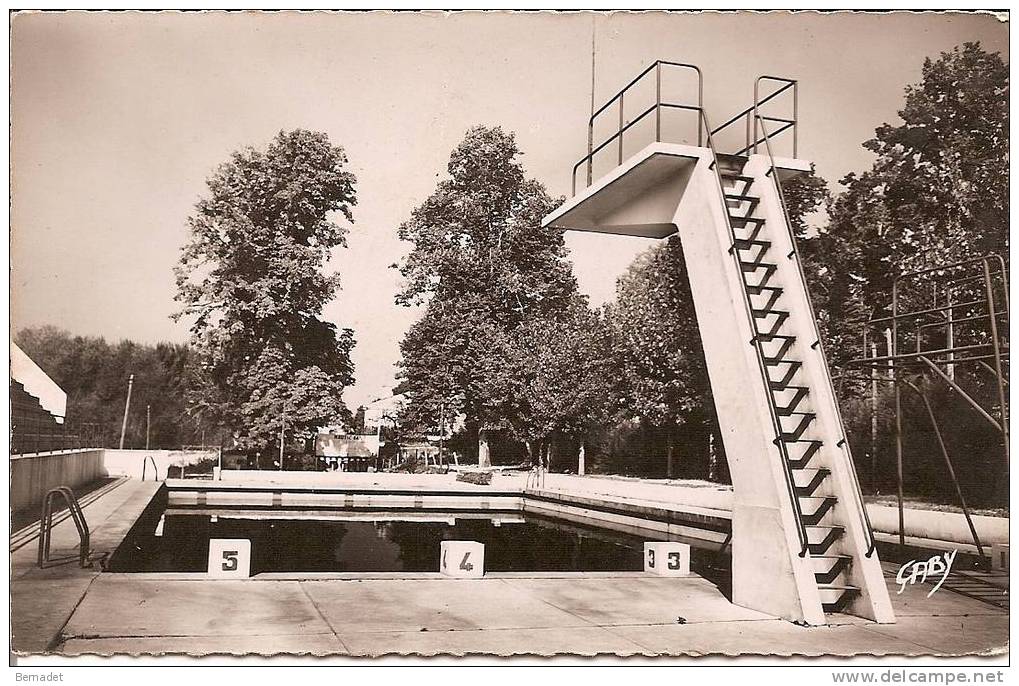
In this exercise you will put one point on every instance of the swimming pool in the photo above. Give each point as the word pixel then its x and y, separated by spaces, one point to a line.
pixel 514 542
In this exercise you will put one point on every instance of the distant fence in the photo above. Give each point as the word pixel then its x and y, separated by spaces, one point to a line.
pixel 33 475
pixel 30 435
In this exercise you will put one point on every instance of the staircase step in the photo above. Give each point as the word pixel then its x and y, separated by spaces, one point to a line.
pixel 752 233
pixel 735 176
pixel 827 568
pixel 756 259
pixel 736 200
pixel 740 222
pixel 764 278
pixel 801 427
pixel 730 161
pixel 808 487
pixel 747 243
pixel 835 598
pixel 820 537
pixel 779 359
pixel 783 383
pixel 819 507
pixel 782 314
pixel 759 290
pixel 800 460
pixel 777 356
pixel 790 404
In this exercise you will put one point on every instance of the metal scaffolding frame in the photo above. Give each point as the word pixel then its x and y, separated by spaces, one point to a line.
pixel 942 318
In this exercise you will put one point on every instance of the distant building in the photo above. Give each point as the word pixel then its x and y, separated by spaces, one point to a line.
pixel 355 451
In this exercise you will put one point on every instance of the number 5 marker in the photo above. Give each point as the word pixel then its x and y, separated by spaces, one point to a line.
pixel 230 558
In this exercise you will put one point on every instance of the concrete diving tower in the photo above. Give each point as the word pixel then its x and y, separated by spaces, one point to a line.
pixel 802 546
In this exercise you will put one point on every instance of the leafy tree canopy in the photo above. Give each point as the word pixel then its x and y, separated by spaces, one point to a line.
pixel 251 275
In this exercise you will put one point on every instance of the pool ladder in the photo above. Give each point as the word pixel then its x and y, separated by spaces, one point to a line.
pixel 46 525
pixel 155 470
pixel 536 477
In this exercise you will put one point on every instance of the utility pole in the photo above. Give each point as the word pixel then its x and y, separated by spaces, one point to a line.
pixel 148 422
pixel 590 129
pixel 127 407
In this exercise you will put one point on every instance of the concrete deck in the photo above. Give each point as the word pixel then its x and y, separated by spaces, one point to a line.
pixel 70 611
pixel 627 614
pixel 42 600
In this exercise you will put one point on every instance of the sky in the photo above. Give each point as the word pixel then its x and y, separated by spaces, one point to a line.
pixel 119 118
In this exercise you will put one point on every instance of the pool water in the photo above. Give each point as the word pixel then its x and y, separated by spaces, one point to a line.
pixel 521 544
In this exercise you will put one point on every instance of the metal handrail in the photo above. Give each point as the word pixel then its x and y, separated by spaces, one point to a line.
pixel 818 344
pixel 789 83
pixel 46 525
pixel 145 466
pixel 657 108
pixel 590 156
pixel 756 343
pixel 752 114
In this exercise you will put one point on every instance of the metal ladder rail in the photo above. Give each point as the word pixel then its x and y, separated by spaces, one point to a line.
pixel 818 345
pixel 46 526
pixel 801 532
pixel 155 470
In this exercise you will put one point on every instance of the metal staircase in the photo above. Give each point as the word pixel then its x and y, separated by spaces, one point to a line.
pixel 797 435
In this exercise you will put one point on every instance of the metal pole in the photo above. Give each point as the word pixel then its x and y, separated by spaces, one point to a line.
pixel 590 122
pixel 148 422
pixel 796 123
pixel 621 97
pixel 951 471
pixel 965 396
pixel 658 104
pixel 700 109
pixel 127 407
pixel 873 423
pixel 283 428
pixel 950 336
pixel 888 343
pixel 892 350
pixel 754 139
pixel 997 355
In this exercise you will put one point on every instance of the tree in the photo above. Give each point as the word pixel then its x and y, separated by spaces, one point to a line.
pixel 251 275
pixel 482 265
pixel 937 193
pixel 94 375
pixel 945 169
pixel 658 344
pixel 568 379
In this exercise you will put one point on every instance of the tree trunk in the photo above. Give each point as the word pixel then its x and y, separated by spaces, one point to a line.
pixel 551 451
pixel 484 457
pixel 712 458
pixel 580 459
pixel 670 442
pixel 530 452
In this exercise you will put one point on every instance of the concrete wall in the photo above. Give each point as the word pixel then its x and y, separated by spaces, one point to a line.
pixel 33 475
pixel 131 462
